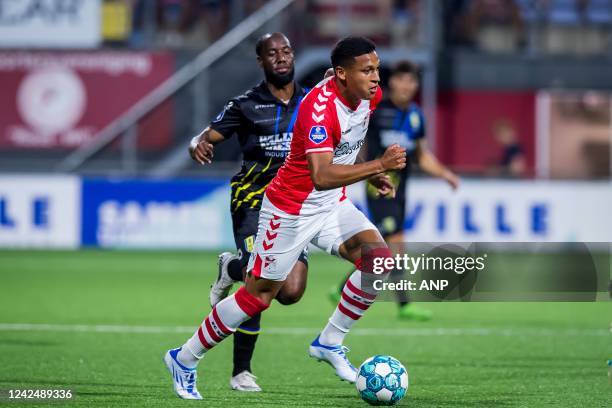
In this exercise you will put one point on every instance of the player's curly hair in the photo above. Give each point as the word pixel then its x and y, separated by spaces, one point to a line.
pixel 348 48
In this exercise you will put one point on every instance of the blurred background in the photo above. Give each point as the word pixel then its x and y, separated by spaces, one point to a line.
pixel 101 97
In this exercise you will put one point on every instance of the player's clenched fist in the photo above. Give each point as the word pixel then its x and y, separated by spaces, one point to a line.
pixel 394 158
pixel 200 150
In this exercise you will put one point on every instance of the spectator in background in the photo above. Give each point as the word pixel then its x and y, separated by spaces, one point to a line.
pixel 138 37
pixel 512 160
pixel 214 14
pixel 454 18
pixel 370 18
pixel 191 23
pixel 495 25
pixel 407 16
pixel 301 11
pixel 576 26
pixel 169 14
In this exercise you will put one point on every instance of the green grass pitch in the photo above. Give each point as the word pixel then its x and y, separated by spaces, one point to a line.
pixel 142 303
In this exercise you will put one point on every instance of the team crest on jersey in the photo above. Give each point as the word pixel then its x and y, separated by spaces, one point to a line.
pixel 415 120
pixel 318 134
pixel 249 243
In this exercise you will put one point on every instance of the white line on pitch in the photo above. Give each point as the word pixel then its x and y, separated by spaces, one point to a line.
pixel 310 331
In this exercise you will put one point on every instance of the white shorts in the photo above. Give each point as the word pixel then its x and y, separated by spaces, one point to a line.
pixel 282 237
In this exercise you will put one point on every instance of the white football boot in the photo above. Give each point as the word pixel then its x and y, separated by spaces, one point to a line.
pixel 183 378
pixel 221 287
pixel 335 356
pixel 245 381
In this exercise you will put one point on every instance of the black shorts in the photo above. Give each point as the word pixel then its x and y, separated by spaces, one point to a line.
pixel 244 222
pixel 387 214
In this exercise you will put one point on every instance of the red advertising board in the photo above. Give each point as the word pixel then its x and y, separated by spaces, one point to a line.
pixel 60 100
pixel 467 122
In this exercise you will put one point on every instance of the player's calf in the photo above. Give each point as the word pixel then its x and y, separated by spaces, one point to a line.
pixel 354 301
pixel 356 298
pixel 222 321
pixel 293 289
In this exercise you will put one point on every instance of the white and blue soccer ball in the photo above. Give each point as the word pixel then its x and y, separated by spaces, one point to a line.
pixel 382 380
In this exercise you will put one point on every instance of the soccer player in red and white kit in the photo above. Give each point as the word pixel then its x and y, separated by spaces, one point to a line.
pixel 306 203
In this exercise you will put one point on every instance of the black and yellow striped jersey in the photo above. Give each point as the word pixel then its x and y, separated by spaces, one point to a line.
pixel 264 127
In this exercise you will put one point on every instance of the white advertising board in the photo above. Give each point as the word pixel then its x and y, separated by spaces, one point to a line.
pixel 49 23
pixel 505 211
pixel 40 211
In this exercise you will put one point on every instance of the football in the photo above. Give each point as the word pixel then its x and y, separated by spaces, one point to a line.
pixel 382 380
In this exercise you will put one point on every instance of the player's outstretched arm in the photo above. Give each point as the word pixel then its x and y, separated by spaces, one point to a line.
pixel 430 164
pixel 201 146
pixel 325 175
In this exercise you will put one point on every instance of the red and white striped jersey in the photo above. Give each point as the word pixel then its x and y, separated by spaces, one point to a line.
pixel 325 123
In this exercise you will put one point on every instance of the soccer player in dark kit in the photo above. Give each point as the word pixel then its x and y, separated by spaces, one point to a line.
pixel 263 120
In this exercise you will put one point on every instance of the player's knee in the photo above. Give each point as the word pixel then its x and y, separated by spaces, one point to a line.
pixel 262 289
pixel 395 238
pixel 252 304
pixel 376 260
pixel 295 285
pixel 290 293
pixel 287 300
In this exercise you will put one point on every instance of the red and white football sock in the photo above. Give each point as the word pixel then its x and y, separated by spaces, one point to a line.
pixel 353 304
pixel 222 321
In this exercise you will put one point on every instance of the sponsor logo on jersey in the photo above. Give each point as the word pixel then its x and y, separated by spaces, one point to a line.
pixel 276 142
pixel 222 113
pixel 265 120
pixel 270 105
pixel 249 242
pixel 346 148
pixel 318 134
pixel 276 146
pixel 390 137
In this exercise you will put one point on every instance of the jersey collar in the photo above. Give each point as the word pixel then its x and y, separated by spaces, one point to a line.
pixel 266 95
pixel 334 87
